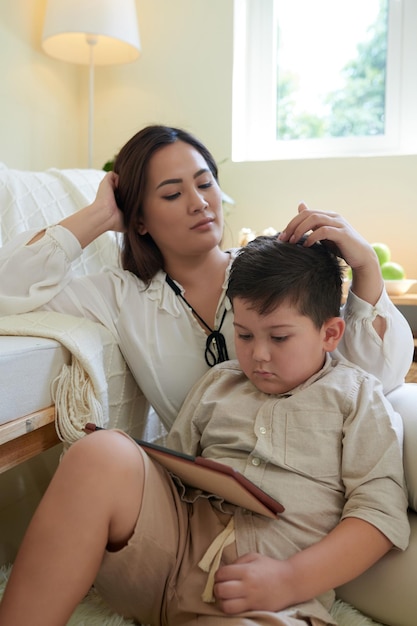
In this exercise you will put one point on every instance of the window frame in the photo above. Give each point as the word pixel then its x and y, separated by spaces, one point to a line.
pixel 254 91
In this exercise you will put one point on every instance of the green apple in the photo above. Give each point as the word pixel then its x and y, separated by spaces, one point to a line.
pixel 392 271
pixel 382 252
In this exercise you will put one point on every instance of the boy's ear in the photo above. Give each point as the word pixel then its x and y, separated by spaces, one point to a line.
pixel 333 332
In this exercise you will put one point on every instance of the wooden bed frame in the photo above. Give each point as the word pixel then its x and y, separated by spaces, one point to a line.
pixel 25 437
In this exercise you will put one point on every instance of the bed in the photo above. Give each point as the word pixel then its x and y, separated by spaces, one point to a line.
pixel 35 348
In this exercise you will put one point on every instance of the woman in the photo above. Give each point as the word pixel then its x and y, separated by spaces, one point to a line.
pixel 170 210
pixel 170 332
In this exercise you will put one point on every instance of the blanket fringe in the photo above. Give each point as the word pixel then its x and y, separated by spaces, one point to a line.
pixel 75 402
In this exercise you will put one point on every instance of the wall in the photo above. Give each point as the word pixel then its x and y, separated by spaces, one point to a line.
pixel 378 196
pixel 39 97
pixel 184 77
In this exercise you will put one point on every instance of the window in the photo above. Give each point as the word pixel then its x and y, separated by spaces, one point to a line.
pixel 324 78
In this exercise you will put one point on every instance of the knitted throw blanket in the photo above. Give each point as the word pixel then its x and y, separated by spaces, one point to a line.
pixel 97 386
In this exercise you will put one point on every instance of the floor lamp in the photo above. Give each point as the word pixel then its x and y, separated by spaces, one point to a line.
pixel 91 32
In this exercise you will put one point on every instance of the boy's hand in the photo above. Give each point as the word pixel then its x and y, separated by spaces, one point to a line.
pixel 253 582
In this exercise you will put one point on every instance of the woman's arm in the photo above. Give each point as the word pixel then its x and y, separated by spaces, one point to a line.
pixel 95 219
pixel 377 338
pixel 256 582
pixel 36 266
pixel 388 359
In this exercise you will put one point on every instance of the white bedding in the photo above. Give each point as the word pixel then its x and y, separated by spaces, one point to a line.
pixel 27 367
pixel 105 390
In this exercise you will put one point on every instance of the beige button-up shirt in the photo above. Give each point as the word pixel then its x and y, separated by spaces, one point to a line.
pixel 327 450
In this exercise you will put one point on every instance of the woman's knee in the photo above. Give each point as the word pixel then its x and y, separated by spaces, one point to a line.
pixel 106 463
pixel 111 468
pixel 106 451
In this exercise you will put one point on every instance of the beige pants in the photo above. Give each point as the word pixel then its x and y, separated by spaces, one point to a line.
pixel 156 579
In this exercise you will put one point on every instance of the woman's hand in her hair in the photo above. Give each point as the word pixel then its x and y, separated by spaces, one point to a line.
pixel 106 203
pixel 100 216
pixel 333 230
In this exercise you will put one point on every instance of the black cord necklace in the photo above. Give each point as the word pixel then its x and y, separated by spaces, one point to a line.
pixel 216 349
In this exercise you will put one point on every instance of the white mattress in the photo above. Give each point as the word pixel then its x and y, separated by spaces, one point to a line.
pixel 28 365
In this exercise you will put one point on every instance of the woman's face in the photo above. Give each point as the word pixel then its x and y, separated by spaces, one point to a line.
pixel 182 210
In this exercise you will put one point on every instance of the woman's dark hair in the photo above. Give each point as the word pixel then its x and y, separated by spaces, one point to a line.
pixel 140 254
pixel 268 272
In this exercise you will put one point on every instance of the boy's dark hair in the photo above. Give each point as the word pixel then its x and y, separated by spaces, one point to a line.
pixel 268 272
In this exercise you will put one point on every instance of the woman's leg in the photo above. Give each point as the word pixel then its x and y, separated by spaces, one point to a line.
pixel 93 501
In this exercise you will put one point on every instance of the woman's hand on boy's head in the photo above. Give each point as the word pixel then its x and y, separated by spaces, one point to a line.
pixel 254 582
pixel 331 229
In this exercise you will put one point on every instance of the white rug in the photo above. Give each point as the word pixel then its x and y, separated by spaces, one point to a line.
pixel 94 612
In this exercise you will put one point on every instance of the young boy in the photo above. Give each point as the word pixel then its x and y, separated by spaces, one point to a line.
pixel 315 433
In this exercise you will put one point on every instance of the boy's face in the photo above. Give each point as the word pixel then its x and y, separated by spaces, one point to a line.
pixel 283 349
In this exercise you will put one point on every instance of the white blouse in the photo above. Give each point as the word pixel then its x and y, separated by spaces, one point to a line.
pixel 162 342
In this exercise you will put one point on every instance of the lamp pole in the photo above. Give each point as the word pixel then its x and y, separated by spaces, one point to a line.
pixel 91 41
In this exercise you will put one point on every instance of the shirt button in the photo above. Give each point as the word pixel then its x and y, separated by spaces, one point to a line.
pixel 256 461
pixel 262 430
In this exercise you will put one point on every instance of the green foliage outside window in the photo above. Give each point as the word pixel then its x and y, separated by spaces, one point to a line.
pixel 356 109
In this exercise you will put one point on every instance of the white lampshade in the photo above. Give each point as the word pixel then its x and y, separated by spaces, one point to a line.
pixel 111 25
pixel 91 32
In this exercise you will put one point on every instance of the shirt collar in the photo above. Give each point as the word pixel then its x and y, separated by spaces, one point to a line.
pixel 328 363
